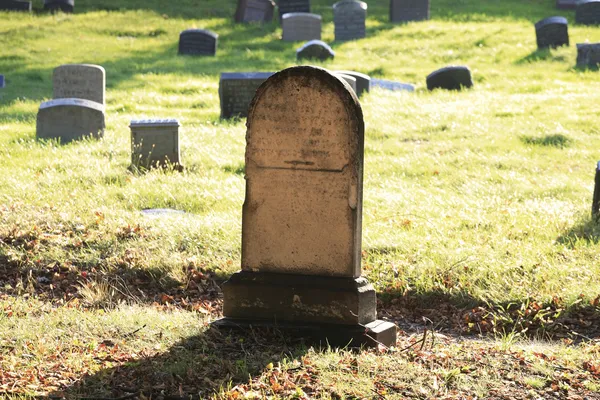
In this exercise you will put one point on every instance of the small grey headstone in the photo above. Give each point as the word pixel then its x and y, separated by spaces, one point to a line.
pixel 588 55
pixel 363 81
pixel 409 10
pixel 254 11
pixel 15 5
pixel 315 49
pixel 450 78
pixel 301 27
pixel 155 143
pixel 70 119
pixel 587 12
pixel 566 4
pixel 292 6
pixel 350 80
pixel 552 32
pixel 2 81
pixel 236 91
pixel 198 42
pixel 79 81
pixel 62 5
pixel 393 86
pixel 349 17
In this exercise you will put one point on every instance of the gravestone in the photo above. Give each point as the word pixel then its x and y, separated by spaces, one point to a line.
pixel 392 86
pixel 70 119
pixel 236 91
pixel 301 220
pixel 552 32
pixel 450 78
pixel 566 4
pixel 350 80
pixel 59 5
pixel 349 17
pixel 587 12
pixel 2 81
pixel 301 27
pixel 363 81
pixel 293 6
pixel 588 55
pixel 198 42
pixel 254 11
pixel 315 49
pixel 80 81
pixel 596 197
pixel 15 5
pixel 155 143
pixel 409 10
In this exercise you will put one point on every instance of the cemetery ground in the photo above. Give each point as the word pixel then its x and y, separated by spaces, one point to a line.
pixel 477 232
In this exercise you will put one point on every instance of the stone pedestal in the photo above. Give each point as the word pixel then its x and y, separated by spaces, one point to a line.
pixel 588 55
pixel 155 143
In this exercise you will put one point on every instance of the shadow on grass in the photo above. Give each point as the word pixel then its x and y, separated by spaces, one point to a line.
pixel 540 55
pixel 556 140
pixel 586 232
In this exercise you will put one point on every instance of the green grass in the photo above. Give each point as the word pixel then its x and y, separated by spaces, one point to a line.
pixel 472 199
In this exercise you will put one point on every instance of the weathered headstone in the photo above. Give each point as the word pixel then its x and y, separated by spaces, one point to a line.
pixel 587 12
pixel 450 78
pixel 70 119
pixel 349 17
pixel 155 143
pixel 62 5
pixel 2 81
pixel 566 4
pixel 315 49
pixel 301 27
pixel 588 55
pixel 293 6
pixel 236 91
pixel 301 223
pixel 392 86
pixel 80 81
pixel 552 32
pixel 15 5
pixel 363 81
pixel 254 11
pixel 409 10
pixel 350 80
pixel 198 42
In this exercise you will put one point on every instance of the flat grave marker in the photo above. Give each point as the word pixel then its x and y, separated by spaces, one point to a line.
pixel 409 10
pixel 79 81
pixel 293 6
pixel 236 91
pixel 155 143
pixel 15 5
pixel 450 78
pixel 392 86
pixel 315 50
pixel 349 18
pixel 301 27
pixel 552 32
pixel 254 11
pixel 70 119
pixel 198 42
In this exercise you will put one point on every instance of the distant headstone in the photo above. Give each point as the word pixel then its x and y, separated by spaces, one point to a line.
pixel 315 49
pixel 552 32
pixel 80 81
pixel 566 4
pixel 392 86
pixel 350 80
pixel 161 212
pixel 588 55
pixel 198 42
pixel 409 10
pixel 301 27
pixel 236 91
pixel 349 18
pixel 15 5
pixel 2 81
pixel 254 11
pixel 450 78
pixel 363 81
pixel 155 143
pixel 70 119
pixel 293 6
pixel 301 223
pixel 587 12
pixel 62 5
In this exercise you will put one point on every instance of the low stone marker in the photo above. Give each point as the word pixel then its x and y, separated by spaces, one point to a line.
pixel 349 17
pixel 552 32
pixel 198 42
pixel 315 49
pixel 450 78
pixel 155 143
pixel 566 4
pixel 587 12
pixel 588 55
pixel 254 11
pixel 15 5
pixel 409 10
pixel 2 84
pixel 392 86
pixel 301 27
pixel 363 81
pixel 302 215
pixel 80 81
pixel 236 91
pixel 350 80
pixel 59 5
pixel 293 6
pixel 70 119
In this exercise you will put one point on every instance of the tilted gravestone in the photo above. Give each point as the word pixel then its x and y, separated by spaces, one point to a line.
pixel 363 81
pixel 15 5
pixel 62 5
pixel 236 91
pixel 566 4
pixel 450 78
pixel 552 32
pixel 588 55
pixel 315 50
pixel 254 11
pixel 302 215
pixel 198 42
pixel 587 12
pixel 350 80
pixel 293 6
pixel 80 81
pixel 301 27
pixel 349 18
pixel 70 119
pixel 155 143
pixel 409 10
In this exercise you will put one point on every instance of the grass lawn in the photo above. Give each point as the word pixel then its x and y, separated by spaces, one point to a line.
pixel 476 228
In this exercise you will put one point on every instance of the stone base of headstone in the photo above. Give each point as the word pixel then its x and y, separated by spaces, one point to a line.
pixel 588 55
pixel 15 5
pixel 59 5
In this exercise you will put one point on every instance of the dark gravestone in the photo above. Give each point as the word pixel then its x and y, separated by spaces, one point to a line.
pixel 588 12
pixel 349 18
pixel 292 6
pixel 363 82
pixel 254 11
pixel 198 42
pixel 300 27
pixel 450 78
pixel 70 119
pixel 552 32
pixel 1 81
pixel 588 55
pixel 15 5
pixel 315 49
pixel 596 198
pixel 155 143
pixel 59 5
pixel 392 86
pixel 409 10
pixel 236 91
pixel 566 4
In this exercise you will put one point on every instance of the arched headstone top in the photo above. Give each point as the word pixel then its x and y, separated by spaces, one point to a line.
pixel 198 42
pixel 80 81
